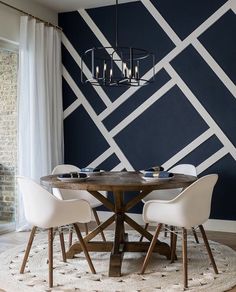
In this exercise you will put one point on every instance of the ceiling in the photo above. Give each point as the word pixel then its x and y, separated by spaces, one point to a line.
pixel 71 5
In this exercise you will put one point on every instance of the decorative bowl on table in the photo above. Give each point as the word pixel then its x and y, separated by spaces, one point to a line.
pixel 153 169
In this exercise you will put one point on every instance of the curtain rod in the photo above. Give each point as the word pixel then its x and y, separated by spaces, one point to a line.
pixel 35 17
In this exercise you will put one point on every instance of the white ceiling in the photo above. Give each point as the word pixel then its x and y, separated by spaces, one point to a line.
pixel 71 5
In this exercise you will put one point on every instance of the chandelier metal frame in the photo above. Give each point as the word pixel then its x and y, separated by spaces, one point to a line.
pixel 117 66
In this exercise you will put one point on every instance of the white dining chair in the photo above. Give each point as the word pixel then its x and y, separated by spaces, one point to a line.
pixel 169 194
pixel 190 208
pixel 65 194
pixel 44 210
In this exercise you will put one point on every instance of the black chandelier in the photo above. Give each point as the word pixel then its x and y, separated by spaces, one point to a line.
pixel 117 66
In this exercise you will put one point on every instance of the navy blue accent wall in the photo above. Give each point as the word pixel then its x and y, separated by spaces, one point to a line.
pixel 193 96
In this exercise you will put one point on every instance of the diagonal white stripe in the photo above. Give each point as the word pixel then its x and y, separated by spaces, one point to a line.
pixel 101 158
pixel 233 5
pixel 161 21
pixel 211 160
pixel 215 67
pixel 71 108
pixel 95 119
pixel 119 167
pixel 188 149
pixel 143 107
pixel 207 23
pixel 87 73
pixel 202 111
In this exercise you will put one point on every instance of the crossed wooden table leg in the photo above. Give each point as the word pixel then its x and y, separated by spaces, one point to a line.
pixel 121 243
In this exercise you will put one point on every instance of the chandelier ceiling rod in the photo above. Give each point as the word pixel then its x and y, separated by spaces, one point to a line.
pixel 116 23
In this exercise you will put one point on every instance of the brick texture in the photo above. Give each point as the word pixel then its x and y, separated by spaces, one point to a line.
pixel 8 134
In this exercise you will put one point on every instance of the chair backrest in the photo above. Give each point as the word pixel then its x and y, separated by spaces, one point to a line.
pixel 67 194
pixel 188 169
pixel 169 194
pixel 44 210
pixel 65 168
pixel 38 203
pixel 193 205
pixel 63 194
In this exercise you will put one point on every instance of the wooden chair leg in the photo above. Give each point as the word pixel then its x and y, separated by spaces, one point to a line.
pixel 195 235
pixel 173 247
pixel 63 250
pixel 185 257
pixel 86 228
pixel 70 237
pixel 27 251
pixel 50 257
pixel 145 227
pixel 84 248
pixel 171 236
pixel 165 231
pixel 54 233
pixel 98 223
pixel 208 248
pixel 151 247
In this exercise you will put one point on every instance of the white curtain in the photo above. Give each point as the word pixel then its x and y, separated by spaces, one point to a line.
pixel 40 113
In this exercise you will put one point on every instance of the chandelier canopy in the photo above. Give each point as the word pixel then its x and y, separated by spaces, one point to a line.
pixel 118 65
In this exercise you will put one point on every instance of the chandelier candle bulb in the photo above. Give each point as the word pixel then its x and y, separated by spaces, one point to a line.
pixel 110 74
pixel 125 70
pixel 136 72
pixel 97 72
pixel 104 70
pixel 130 73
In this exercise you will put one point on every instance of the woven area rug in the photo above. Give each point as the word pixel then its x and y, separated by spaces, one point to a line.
pixel 160 274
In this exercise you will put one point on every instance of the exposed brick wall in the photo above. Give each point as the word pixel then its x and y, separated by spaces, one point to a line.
pixel 8 133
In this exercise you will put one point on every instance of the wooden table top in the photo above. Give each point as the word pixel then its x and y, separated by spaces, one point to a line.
pixel 119 181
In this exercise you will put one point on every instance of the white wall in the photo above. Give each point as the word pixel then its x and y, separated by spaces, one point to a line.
pixel 10 18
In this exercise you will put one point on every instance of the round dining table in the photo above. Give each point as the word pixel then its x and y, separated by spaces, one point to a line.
pixel 119 184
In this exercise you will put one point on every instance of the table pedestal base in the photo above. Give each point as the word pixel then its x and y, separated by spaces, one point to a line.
pixel 116 257
pixel 121 244
pixel 132 246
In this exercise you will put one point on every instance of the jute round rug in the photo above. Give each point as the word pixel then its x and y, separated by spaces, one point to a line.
pixel 160 275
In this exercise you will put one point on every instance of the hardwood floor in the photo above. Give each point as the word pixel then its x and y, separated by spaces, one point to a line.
pixel 12 239
pixel 225 238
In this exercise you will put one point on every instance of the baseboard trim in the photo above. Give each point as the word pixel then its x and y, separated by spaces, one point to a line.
pixel 211 224
pixel 220 225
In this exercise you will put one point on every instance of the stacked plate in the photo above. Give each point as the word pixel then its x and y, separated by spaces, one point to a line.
pixel 156 173
pixel 89 171
pixel 72 177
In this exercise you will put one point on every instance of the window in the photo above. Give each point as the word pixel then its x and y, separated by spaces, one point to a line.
pixel 8 133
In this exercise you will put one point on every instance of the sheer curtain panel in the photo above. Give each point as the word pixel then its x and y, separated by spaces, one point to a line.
pixel 40 113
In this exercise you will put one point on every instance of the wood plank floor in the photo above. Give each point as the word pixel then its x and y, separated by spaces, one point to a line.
pixel 12 239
